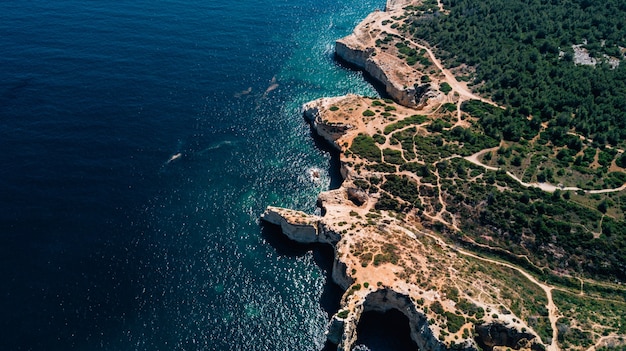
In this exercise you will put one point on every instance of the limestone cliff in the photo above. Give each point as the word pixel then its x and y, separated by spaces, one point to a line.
pixel 366 49
pixel 384 258
pixel 296 225
pixel 380 66
pixel 389 279
pixel 331 132
pixel 389 293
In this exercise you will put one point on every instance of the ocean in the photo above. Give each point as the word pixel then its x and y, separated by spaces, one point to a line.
pixel 140 142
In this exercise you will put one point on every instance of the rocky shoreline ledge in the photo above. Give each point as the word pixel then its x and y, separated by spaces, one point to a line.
pixel 377 287
pixel 385 259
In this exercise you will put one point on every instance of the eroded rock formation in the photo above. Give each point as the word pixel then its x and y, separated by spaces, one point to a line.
pixel 385 259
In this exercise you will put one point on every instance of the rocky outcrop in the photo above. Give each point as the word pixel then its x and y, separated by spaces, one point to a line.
pixel 357 196
pixel 379 67
pixel 335 330
pixel 394 5
pixel 383 300
pixel 330 132
pixel 340 274
pixel 497 334
pixel 342 328
pixel 296 225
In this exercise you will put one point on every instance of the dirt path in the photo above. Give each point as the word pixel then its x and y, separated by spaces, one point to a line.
pixel 603 191
pixel 450 78
pixel 443 210
pixel 605 340
pixel 474 158
pixel 459 122
pixel 543 186
pixel 553 315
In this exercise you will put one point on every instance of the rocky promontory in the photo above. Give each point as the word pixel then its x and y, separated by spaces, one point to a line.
pixel 400 157
pixel 386 260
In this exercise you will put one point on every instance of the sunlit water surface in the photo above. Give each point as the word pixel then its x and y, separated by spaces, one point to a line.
pixel 140 141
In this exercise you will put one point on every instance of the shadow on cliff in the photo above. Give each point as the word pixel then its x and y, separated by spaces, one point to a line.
pixel 385 331
pixel 320 143
pixel 378 86
pixel 323 255
pixel 334 166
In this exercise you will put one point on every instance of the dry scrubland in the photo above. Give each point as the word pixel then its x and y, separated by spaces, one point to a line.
pixel 484 237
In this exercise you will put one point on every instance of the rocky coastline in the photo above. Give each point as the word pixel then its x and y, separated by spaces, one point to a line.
pixel 386 261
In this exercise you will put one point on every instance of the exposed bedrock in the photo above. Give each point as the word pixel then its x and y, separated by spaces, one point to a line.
pixel 342 328
pixel 296 225
pixel 329 132
pixel 307 229
pixel 496 334
pixel 379 67
pixel 383 300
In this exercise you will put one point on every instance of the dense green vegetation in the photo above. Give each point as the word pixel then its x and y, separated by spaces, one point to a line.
pixel 554 231
pixel 523 57
pixel 393 156
pixel 414 119
pixel 561 122
pixel 537 224
pixel 402 187
pixel 455 322
pixel 521 54
pixel 365 146
pixel 412 56
pixel 445 88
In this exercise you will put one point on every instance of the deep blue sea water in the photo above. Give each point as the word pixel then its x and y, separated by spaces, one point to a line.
pixel 107 245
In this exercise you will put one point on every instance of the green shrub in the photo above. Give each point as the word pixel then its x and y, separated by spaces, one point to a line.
pixel 369 113
pixel 455 322
pixel 402 187
pixel 386 202
pixel 445 87
pixel 379 138
pixel 450 107
pixel 393 156
pixel 437 307
pixel 365 146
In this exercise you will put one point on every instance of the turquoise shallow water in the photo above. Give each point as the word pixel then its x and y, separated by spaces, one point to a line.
pixel 107 245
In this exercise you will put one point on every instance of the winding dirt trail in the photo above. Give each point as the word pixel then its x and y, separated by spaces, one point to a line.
pixel 450 78
pixel 553 314
pixel 543 186
pixel 474 158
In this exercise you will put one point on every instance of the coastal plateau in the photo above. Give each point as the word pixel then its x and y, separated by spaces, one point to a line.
pixel 449 225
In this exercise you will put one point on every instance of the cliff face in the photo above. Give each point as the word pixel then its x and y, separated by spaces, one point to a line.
pixel 296 225
pixel 380 67
pixel 343 330
pixel 403 263
pixel 329 132
pixel 383 258
pixel 385 299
